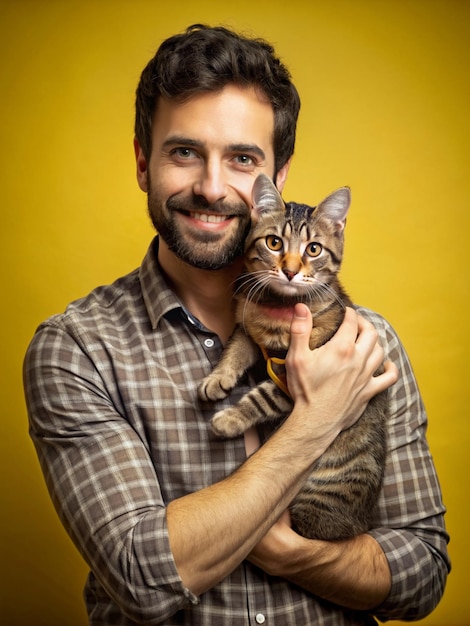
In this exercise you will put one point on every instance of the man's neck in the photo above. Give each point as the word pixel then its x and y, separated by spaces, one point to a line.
pixel 207 294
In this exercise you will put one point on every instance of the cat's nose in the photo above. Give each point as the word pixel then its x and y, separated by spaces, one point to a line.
pixel 289 273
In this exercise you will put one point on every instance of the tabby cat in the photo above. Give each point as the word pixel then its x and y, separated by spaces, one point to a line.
pixel 293 254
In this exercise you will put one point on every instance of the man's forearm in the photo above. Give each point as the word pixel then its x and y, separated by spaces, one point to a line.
pixel 213 530
pixel 353 573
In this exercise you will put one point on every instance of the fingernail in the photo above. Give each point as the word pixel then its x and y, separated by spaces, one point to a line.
pixel 300 312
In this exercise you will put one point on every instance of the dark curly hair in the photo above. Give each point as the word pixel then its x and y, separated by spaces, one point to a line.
pixel 205 58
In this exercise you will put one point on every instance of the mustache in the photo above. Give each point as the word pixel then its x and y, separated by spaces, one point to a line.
pixel 199 203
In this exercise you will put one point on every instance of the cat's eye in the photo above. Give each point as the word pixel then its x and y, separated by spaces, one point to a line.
pixel 314 249
pixel 274 243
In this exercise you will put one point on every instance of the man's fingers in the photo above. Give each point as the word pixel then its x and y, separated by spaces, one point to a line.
pixel 349 329
pixel 387 378
pixel 301 325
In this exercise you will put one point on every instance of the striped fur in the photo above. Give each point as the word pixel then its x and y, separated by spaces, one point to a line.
pixel 293 253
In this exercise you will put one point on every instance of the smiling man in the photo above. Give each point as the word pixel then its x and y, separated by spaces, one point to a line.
pixel 200 173
pixel 177 526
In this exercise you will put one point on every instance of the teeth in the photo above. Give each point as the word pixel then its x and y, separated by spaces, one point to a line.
pixel 204 217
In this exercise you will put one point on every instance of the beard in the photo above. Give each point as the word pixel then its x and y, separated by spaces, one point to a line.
pixel 202 249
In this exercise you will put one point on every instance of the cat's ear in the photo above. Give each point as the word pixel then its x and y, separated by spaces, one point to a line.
pixel 265 196
pixel 335 206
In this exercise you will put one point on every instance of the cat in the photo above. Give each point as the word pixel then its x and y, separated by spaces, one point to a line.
pixel 293 253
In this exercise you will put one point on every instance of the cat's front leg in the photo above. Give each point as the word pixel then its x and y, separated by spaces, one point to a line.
pixel 264 403
pixel 240 354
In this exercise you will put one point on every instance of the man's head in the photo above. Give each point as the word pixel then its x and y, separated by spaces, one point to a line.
pixel 206 59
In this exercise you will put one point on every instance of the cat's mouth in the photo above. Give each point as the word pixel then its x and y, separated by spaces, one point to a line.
pixel 275 300
pixel 282 312
pixel 284 295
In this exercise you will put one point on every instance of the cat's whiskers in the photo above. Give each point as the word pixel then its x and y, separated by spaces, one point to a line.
pixel 256 284
pixel 322 293
pixel 250 279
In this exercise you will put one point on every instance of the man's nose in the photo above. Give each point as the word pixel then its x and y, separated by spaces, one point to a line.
pixel 211 183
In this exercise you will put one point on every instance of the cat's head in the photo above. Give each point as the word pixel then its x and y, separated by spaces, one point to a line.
pixel 296 250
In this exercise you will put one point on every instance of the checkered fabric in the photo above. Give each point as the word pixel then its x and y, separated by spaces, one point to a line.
pixel 114 415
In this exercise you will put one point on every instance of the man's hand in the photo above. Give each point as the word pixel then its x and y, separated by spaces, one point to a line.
pixel 335 381
pixel 352 573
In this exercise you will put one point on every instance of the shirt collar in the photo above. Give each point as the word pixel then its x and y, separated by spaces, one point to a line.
pixel 158 297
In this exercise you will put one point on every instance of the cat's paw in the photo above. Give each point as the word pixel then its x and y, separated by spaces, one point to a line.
pixel 217 386
pixel 227 423
pixel 210 389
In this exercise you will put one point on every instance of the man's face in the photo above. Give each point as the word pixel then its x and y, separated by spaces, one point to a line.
pixel 206 155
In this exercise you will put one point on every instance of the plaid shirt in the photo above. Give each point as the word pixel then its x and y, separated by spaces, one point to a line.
pixel 111 392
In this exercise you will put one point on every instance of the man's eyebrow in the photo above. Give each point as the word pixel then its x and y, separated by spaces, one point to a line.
pixel 249 148
pixel 180 140
pixel 242 148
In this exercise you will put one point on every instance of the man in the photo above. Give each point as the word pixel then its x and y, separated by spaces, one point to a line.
pixel 179 527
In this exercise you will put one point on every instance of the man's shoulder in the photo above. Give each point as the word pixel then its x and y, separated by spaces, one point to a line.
pixel 104 305
pixel 372 316
pixel 108 297
pixel 387 333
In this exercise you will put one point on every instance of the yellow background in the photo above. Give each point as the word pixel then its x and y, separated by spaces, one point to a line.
pixel 385 91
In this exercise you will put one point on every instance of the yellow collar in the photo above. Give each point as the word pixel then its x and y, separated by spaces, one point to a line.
pixel 279 379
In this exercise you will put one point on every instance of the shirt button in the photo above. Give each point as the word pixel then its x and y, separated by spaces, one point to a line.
pixel 260 618
pixel 209 343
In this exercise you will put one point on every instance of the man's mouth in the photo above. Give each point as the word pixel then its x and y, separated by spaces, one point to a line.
pixel 207 217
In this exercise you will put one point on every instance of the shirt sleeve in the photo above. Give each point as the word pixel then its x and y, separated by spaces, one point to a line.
pixel 100 477
pixel 410 524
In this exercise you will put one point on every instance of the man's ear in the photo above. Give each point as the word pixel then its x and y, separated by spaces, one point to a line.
pixel 281 176
pixel 141 163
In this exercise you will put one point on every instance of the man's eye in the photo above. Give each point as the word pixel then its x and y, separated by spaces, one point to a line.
pixel 244 159
pixel 184 153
